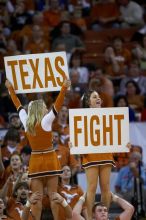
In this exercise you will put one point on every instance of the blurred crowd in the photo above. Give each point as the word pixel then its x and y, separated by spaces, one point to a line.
pixel 105 42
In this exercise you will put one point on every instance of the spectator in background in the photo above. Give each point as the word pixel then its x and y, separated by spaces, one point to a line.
pixel 10 145
pixel 117 58
pixel 131 13
pixel 3 211
pixel 25 155
pixel 61 125
pixel 29 5
pixel 62 47
pixel 105 84
pixel 11 48
pixel 14 122
pixel 63 154
pixel 70 192
pixel 121 101
pixel 16 203
pixel 74 76
pixel 107 100
pixel 78 19
pixel 76 65
pixel 100 211
pixel 9 176
pixel 57 198
pixel 125 179
pixel 72 42
pixel 74 98
pixel 27 31
pixel 135 100
pixel 19 17
pixel 134 74
pixel 38 43
pixel 104 14
pixel 6 105
pixel 140 53
pixel 77 89
pixel 52 16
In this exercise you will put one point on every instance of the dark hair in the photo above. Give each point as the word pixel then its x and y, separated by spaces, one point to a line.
pixel 18 185
pixel 135 85
pixel 71 178
pixel 76 55
pixel 115 38
pixel 98 204
pixel 13 115
pixel 85 98
pixel 74 29
pixel 142 40
pixel 118 98
pixel 46 214
pixel 26 150
pixel 13 135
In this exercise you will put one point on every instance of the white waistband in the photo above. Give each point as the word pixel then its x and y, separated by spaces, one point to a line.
pixel 42 152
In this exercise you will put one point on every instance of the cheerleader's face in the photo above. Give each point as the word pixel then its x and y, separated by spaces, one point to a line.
pixel 95 100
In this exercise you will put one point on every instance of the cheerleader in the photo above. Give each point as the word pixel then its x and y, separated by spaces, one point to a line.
pixel 97 166
pixel 44 167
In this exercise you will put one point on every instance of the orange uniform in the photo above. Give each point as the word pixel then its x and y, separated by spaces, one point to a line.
pixel 34 47
pixel 15 210
pixel 52 17
pixel 123 59
pixel 90 160
pixel 4 176
pixel 6 154
pixel 43 160
pixel 63 130
pixel 71 195
pixel 65 157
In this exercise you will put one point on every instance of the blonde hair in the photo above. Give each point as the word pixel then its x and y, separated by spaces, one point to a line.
pixel 35 115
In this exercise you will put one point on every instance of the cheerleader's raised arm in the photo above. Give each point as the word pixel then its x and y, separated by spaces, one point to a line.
pixel 13 95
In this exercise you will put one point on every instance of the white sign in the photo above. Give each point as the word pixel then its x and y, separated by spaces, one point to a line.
pixel 99 130
pixel 37 72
